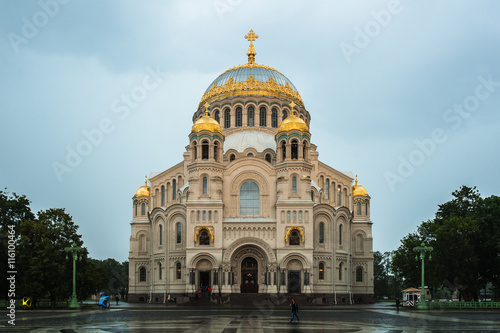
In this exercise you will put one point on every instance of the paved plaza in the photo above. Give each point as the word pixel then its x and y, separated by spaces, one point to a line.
pixel 258 318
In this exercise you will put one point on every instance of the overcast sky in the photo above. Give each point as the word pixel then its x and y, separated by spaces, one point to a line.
pixel 404 94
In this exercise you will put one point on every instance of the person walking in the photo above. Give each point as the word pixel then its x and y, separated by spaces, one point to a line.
pixel 295 309
pixel 397 303
pixel 117 298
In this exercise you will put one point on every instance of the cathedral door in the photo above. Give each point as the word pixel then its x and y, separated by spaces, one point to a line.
pixel 205 278
pixel 249 275
pixel 294 282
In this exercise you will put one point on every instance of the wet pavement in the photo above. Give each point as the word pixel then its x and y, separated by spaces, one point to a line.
pixel 259 317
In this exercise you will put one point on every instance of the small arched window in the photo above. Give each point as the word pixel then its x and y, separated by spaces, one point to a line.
pixel 135 206
pixel 322 233
pixel 204 237
pixel 294 238
pixel 339 195
pixel 163 195
pixel 160 235
pixel 232 157
pixel 321 273
pixel 142 274
pixel 227 118
pixel 263 116
pixel 295 150
pixel 268 158
pixel 250 155
pixel 285 115
pixel 174 189
pixel 327 188
pixel 216 116
pixel 178 271
pixel 283 150
pixel 274 118
pixel 216 150
pixel 143 209
pixel 312 195
pixel 358 208
pixel 250 116
pixel 341 268
pixel 294 184
pixel 205 181
pixel 304 149
pixel 366 209
pixel 249 199
pixel 239 117
pixel 178 228
pixel 340 234
pixel 359 274
pixel 195 150
pixel 204 150
pixel 159 271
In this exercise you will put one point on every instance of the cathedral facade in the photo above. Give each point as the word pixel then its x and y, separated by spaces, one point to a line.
pixel 251 208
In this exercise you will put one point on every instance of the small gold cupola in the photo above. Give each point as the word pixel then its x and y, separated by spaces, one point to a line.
pixel 358 189
pixel 206 123
pixel 293 122
pixel 144 190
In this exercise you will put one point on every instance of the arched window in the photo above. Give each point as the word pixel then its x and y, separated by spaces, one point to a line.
pixel 195 150
pixel 160 235
pixel 341 268
pixel 216 117
pixel 232 157
pixel 142 274
pixel 359 274
pixel 294 238
pixel 345 198
pixel 174 189
pixel 327 188
pixel 285 115
pixel 163 195
pixel 249 199
pixel 321 274
pixel 205 185
pixel 143 209
pixel 178 271
pixel 250 116
pixel 216 150
pixel 340 234
pixel 204 237
pixel 358 206
pixel 135 206
pixel 283 150
pixel 268 158
pixel 204 215
pixel 227 118
pixel 204 150
pixel 366 209
pixel 250 155
pixel 321 233
pixel 178 227
pixel 359 242
pixel 263 116
pixel 339 195
pixel 239 117
pixel 312 195
pixel 295 150
pixel 159 271
pixel 274 118
pixel 304 149
pixel 294 184
pixel 142 243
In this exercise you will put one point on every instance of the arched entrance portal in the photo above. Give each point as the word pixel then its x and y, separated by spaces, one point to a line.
pixel 249 275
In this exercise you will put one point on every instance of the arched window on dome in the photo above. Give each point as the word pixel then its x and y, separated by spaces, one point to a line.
pixel 274 118
pixel 163 195
pixel 268 158
pixel 195 150
pixel 232 157
pixel 216 116
pixel 143 209
pixel 294 184
pixel 285 115
pixel 249 199
pixel 358 208
pixel 366 209
pixel 283 150
pixel 239 117
pixel 250 116
pixel 227 118
pixel 295 150
pixel 204 150
pixel 205 184
pixel 322 233
pixel 339 196
pixel 304 150
pixel 216 150
pixel 174 189
pixel 263 116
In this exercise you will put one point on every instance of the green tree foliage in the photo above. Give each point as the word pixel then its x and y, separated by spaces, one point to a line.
pixel 116 276
pixel 43 270
pixel 465 236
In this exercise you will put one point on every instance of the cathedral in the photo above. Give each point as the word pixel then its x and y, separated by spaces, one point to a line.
pixel 250 208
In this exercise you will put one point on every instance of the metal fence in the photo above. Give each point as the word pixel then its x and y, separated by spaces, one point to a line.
pixel 464 305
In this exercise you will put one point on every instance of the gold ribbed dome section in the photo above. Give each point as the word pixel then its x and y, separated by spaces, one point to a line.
pixel 206 123
pixel 144 190
pixel 358 189
pixel 293 122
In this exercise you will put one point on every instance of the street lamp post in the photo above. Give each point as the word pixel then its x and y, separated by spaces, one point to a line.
pixel 423 250
pixel 74 251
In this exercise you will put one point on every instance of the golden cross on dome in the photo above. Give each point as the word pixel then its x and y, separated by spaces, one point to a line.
pixel 206 105
pixel 146 181
pixel 292 105
pixel 251 36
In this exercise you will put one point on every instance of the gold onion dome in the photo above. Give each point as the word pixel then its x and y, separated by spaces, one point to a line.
pixel 251 79
pixel 293 122
pixel 206 123
pixel 358 189
pixel 144 190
